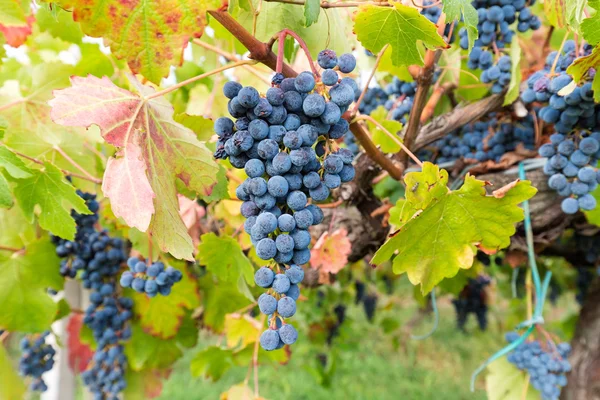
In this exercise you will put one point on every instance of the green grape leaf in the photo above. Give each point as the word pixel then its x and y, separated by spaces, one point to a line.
pixel 223 256
pixel 312 9
pixel 6 200
pixel 24 279
pixel 154 152
pixel 144 384
pixel 331 31
pixel 504 381
pixel 162 316
pixel 59 23
pixel 241 330
pixel 400 26
pixel 440 237
pixel 590 27
pixel 455 9
pixel 146 351
pixel 11 384
pixel 31 131
pixel 13 164
pixel 220 298
pixel 566 13
pixel 515 77
pixel 12 13
pixel 211 363
pixel 580 67
pixel 379 137
pixel 150 35
pixel 55 196
pixel 20 231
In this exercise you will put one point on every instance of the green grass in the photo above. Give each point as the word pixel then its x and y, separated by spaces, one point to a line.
pixel 368 366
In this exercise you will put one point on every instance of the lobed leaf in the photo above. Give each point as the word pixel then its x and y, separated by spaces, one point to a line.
pixel 441 236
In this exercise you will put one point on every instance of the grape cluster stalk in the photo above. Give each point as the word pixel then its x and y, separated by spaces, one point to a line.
pixel 285 142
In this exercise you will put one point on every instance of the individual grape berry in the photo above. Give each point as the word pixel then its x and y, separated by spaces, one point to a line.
pixel 288 334
pixel 329 77
pixel 286 307
pixel 281 283
pixel 327 59
pixel 269 340
pixel 267 304
pixel 231 89
pixel 295 274
pixel 264 277
pixel 569 205
pixel 346 63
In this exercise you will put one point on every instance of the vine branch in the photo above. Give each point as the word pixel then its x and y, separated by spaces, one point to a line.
pixel 326 4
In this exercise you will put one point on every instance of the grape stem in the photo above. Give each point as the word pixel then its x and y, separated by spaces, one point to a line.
pixel 392 136
pixel 340 4
pixel 64 171
pixel 280 36
pixel 434 4
pixel 74 163
pixel 198 77
pixel 364 91
pixel 562 44
pixel 439 90
pixel 231 57
pixel 11 249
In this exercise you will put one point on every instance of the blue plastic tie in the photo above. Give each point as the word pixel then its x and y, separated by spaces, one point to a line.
pixel 540 292
pixel 436 321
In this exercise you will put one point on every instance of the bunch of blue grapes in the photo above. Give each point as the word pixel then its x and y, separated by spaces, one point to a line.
pixel 571 166
pixel 496 32
pixel 567 111
pixel 93 252
pixel 472 300
pixel 37 357
pixel 97 258
pixel 150 278
pixel 546 364
pixel 487 139
pixel 285 143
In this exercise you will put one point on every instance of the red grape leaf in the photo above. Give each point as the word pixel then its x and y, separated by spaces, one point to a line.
pixel 17 35
pixel 330 253
pixel 80 353
pixel 154 152
pixel 150 35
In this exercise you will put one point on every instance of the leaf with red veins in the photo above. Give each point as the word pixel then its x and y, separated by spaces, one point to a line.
pixel 154 151
pixel 150 35
pixel 330 253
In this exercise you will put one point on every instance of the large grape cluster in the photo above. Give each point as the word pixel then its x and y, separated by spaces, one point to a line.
pixel 150 278
pixel 432 11
pixel 472 300
pixel 37 357
pixel 284 142
pixel 496 19
pixel 574 151
pixel 546 364
pixel 487 139
pixel 99 257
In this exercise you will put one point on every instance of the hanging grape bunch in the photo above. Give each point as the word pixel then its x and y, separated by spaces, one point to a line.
pixel 574 150
pixel 285 142
pixel 495 33
pixel 546 364
pixel 37 357
pixel 150 278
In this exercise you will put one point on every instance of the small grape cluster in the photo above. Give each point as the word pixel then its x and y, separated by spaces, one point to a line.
pixel 99 257
pixel 571 167
pixel 546 365
pixel 487 139
pixel 279 302
pixel 284 141
pixel 472 300
pixel 574 110
pixel 150 279
pixel 37 357
pixel 93 252
pixel 495 20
